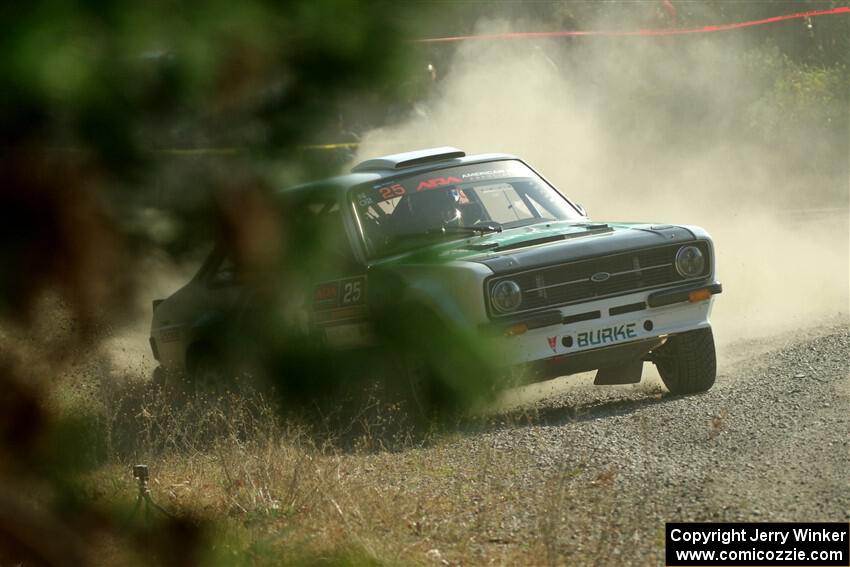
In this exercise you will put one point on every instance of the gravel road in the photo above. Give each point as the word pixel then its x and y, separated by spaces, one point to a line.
pixel 590 475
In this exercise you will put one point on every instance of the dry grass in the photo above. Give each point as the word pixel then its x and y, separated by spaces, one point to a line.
pixel 290 491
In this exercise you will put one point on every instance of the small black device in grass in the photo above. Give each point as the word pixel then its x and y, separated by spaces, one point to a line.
pixel 142 474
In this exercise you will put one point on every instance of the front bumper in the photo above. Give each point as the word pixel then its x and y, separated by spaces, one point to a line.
pixel 601 333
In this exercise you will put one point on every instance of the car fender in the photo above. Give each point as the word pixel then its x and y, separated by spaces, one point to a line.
pixel 452 290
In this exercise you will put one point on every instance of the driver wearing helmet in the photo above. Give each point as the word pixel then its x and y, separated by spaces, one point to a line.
pixel 437 208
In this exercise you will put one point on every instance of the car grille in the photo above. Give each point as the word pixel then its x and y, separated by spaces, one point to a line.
pixel 584 280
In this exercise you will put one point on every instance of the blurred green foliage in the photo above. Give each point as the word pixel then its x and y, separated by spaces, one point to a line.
pixel 89 92
pixel 104 75
pixel 111 82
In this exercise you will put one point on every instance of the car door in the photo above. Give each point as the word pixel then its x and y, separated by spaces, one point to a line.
pixel 338 311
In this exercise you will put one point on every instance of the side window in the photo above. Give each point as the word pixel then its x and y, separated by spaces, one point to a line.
pixel 541 210
pixel 317 225
pixel 546 203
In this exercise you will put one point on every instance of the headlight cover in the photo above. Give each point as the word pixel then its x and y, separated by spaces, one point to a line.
pixel 690 261
pixel 506 296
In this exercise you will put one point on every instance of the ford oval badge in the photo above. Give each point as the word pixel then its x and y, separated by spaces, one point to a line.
pixel 600 277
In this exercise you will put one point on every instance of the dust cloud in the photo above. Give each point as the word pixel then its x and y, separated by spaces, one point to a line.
pixel 686 130
pixel 127 349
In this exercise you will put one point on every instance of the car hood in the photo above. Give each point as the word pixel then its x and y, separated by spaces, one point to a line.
pixel 546 243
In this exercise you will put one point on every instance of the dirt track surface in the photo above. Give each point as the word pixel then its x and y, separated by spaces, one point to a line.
pixel 589 475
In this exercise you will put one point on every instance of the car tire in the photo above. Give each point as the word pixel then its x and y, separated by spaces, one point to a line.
pixel 444 370
pixel 687 362
pixel 406 380
pixel 159 378
pixel 207 374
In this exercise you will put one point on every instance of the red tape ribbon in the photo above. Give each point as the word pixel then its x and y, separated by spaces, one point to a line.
pixel 679 31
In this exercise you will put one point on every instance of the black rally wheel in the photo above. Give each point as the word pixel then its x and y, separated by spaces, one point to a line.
pixel 207 372
pixel 687 362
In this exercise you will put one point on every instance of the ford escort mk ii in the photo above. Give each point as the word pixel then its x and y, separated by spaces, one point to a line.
pixel 489 248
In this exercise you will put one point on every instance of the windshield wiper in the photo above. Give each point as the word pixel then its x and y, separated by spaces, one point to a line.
pixel 450 230
pixel 480 229
pixel 529 222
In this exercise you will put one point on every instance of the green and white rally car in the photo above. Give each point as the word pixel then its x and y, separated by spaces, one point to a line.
pixel 492 250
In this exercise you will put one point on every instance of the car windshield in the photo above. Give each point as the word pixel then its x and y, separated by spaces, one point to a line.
pixel 400 214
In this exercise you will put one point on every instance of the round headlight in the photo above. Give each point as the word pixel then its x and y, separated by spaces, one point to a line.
pixel 689 261
pixel 506 296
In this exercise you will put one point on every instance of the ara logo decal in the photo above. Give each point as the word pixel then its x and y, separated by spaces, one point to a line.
pixel 438 182
pixel 553 341
pixel 326 292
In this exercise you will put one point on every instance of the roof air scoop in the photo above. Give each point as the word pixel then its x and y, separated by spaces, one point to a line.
pixel 408 159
